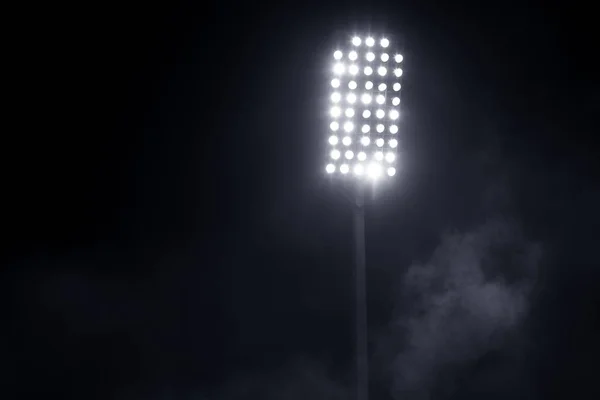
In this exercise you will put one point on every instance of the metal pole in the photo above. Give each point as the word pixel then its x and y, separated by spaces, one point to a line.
pixel 362 365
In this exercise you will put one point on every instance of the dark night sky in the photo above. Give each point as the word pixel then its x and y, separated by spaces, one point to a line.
pixel 169 232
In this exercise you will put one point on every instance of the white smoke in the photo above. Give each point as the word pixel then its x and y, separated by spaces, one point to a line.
pixel 460 304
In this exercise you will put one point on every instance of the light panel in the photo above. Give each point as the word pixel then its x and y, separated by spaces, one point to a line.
pixel 364 100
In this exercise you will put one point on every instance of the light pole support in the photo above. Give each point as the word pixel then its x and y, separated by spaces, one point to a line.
pixel 362 363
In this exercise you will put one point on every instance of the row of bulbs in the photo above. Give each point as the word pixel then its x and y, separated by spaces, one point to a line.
pixel 340 68
pixel 352 85
pixel 373 170
pixel 362 156
pixel 349 127
pixel 365 141
pixel 336 112
pixel 366 98
pixel 370 56
pixel 369 41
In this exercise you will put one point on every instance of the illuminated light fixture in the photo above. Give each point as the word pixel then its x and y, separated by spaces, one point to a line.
pixel 393 143
pixel 385 57
pixel 398 58
pixel 379 128
pixel 330 168
pixel 349 112
pixel 346 141
pixel 353 55
pixel 336 97
pixel 398 72
pixel 337 55
pixel 366 98
pixel 380 99
pixel 382 70
pixel 393 128
pixel 380 114
pixel 384 42
pixel 353 69
pixel 335 154
pixel 391 171
pixel 348 126
pixel 333 140
pixel 339 69
pixel 368 85
pixel 379 142
pixel 370 56
pixel 366 114
pixel 349 154
pixel 335 83
pixel 396 101
pixel 356 41
pixel 365 128
pixel 352 85
pixel 362 156
pixel 394 114
pixel 359 169
pixel 351 98
pixel 370 42
pixel 334 126
pixel 335 112
pixel 382 87
pixel 344 168
pixel 390 157
pixel 396 87
pixel 368 71
pixel 365 141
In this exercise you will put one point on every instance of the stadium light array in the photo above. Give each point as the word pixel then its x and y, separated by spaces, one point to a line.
pixel 364 109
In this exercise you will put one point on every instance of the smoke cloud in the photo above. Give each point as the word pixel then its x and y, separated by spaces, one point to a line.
pixel 460 305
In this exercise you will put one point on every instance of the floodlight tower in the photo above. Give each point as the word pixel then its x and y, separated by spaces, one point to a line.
pixel 363 142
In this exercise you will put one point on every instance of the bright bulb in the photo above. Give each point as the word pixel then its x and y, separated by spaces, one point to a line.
pixel 348 126
pixel 382 87
pixel 337 55
pixel 351 98
pixel 398 58
pixel 335 154
pixel 391 171
pixel 385 57
pixel 335 83
pixel 380 114
pixel 398 72
pixel 394 114
pixel 368 85
pixel 361 156
pixel 366 114
pixel 366 98
pixel 334 126
pixel 384 42
pixel 353 69
pixel 390 157
pixel 365 140
pixel 333 140
pixel 368 71
pixel 370 56
pixel 330 168
pixel 335 112
pixel 378 155
pixel 393 143
pixel 396 87
pixel 346 141
pixel 352 55
pixel 338 69
pixel 393 128
pixel 356 41
pixel 396 101
pixel 370 41
pixel 349 154
pixel 379 142
pixel 344 168
pixel 336 97
pixel 352 85
pixel 380 128
pixel 365 129
pixel 349 112
pixel 381 71
pixel 380 99
pixel 374 170
pixel 359 169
